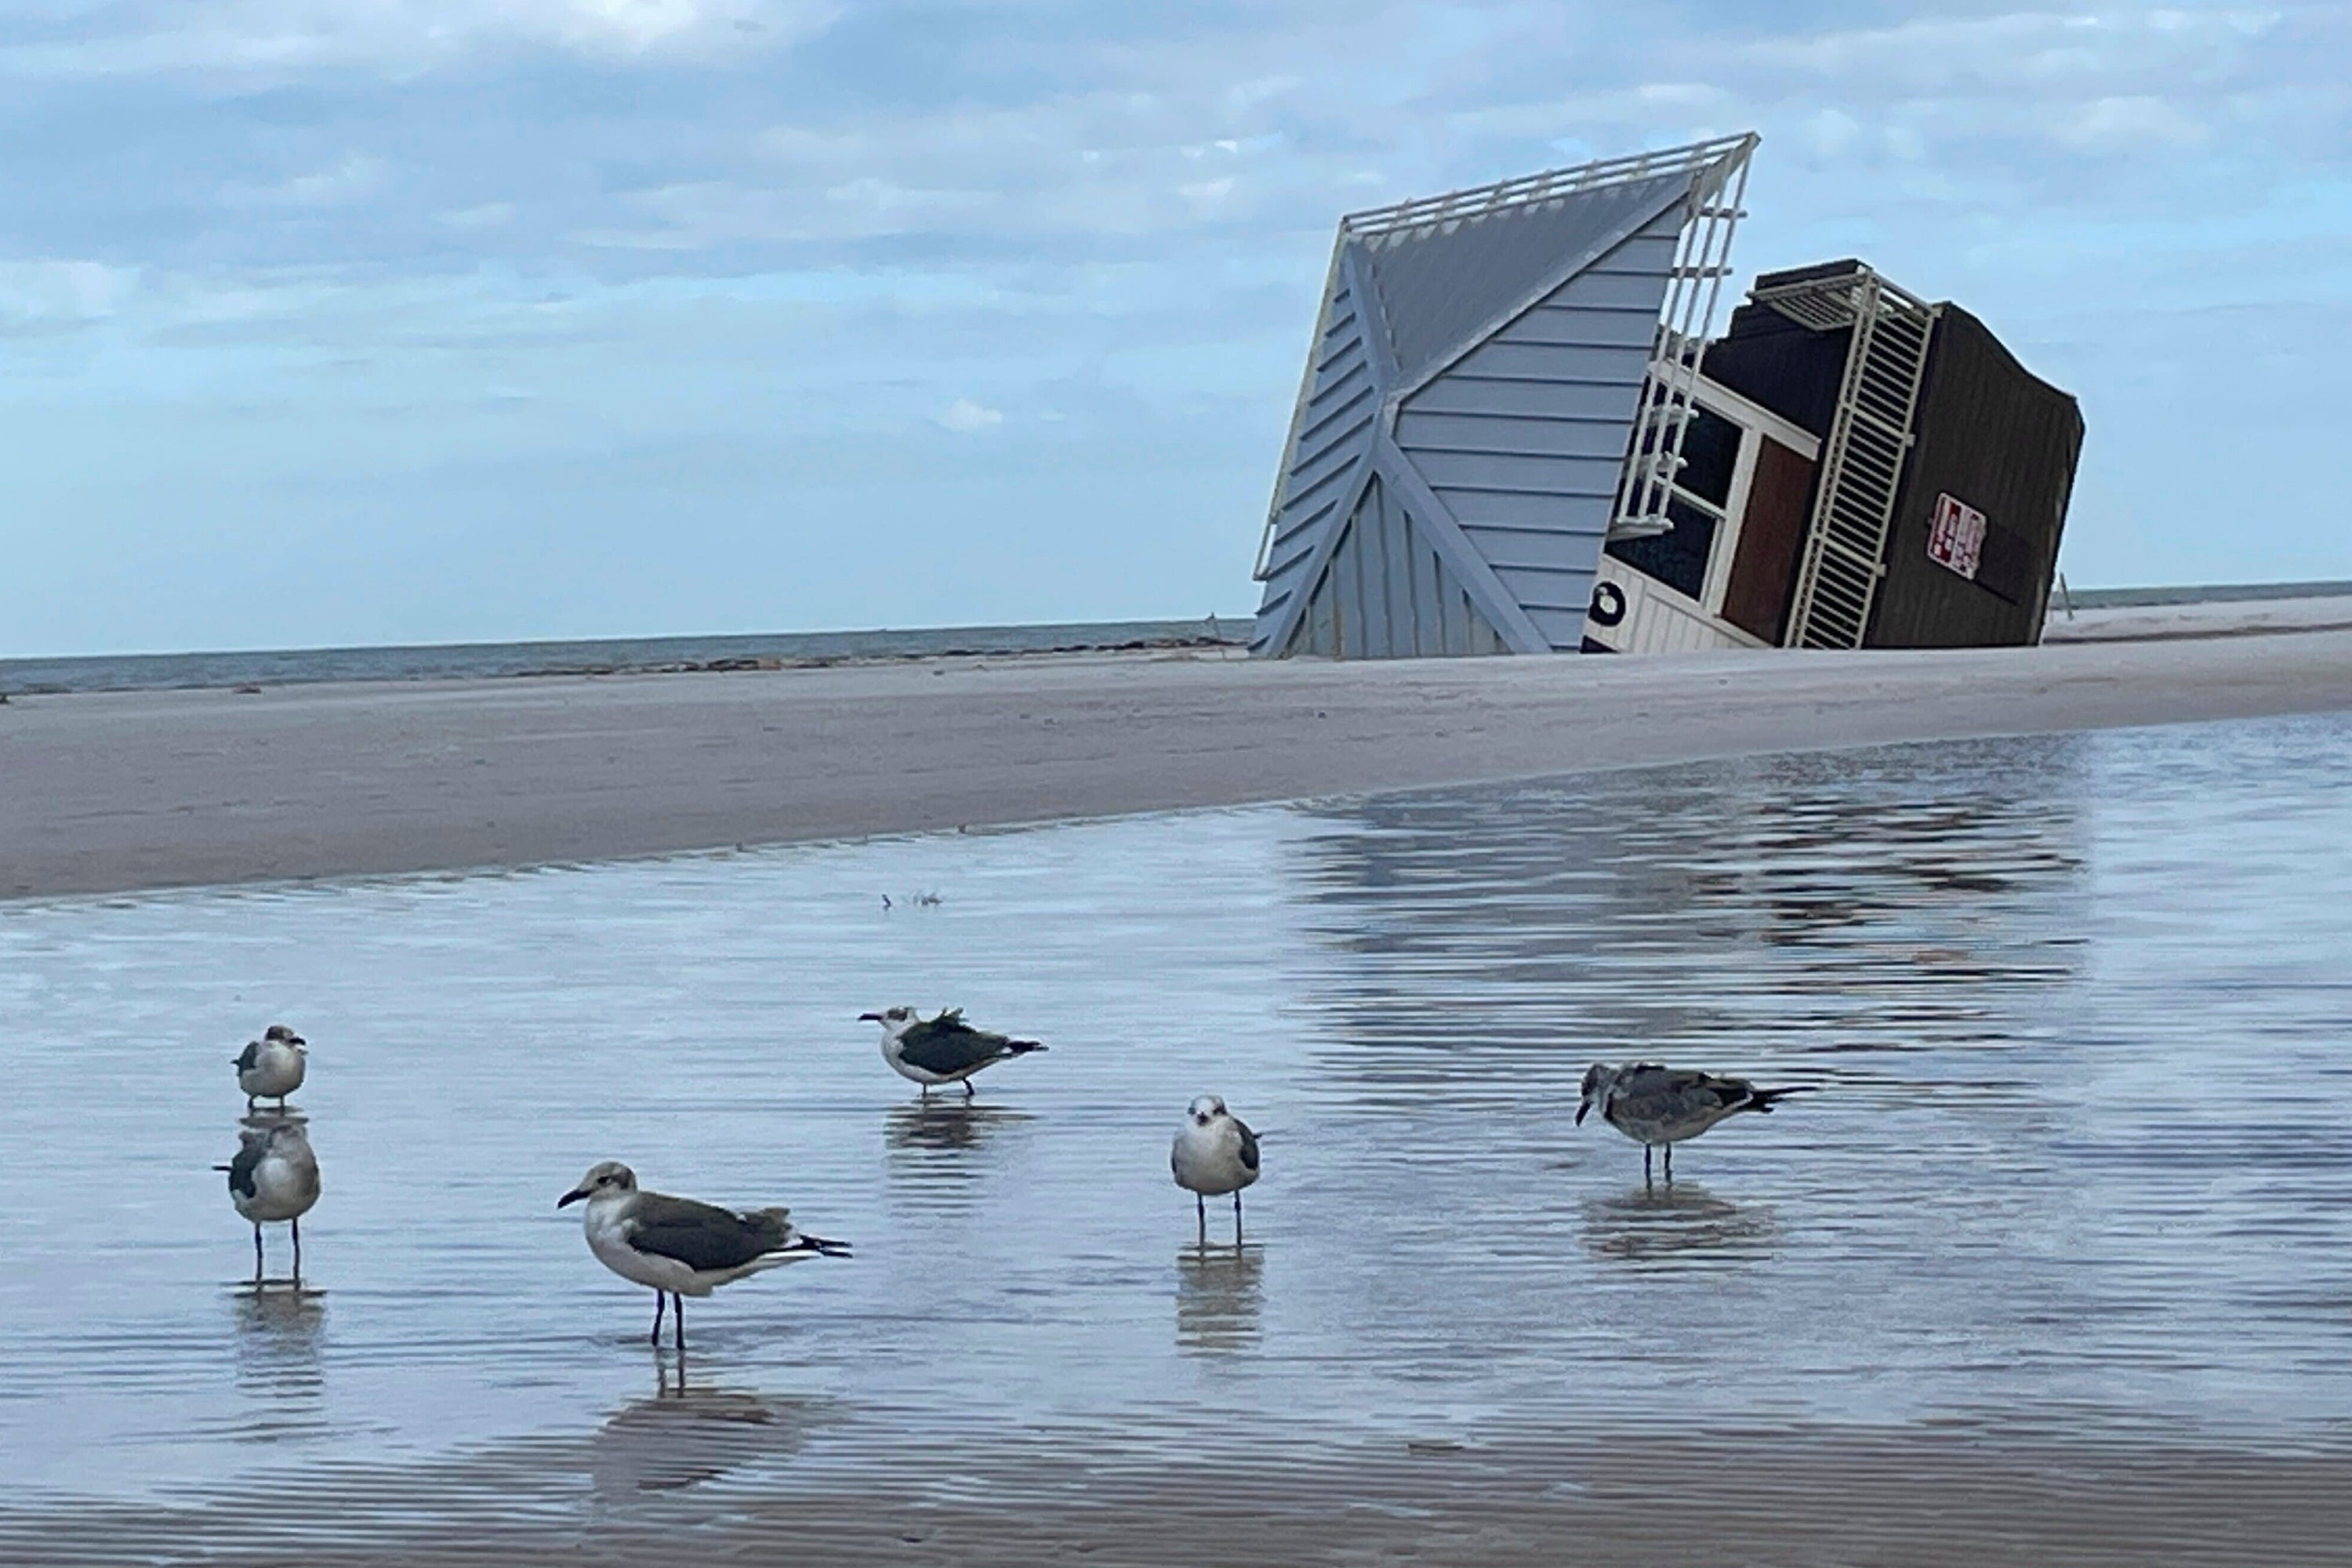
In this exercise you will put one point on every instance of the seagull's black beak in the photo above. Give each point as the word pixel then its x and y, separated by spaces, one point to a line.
pixel 1581 1107
pixel 870 1018
pixel 573 1196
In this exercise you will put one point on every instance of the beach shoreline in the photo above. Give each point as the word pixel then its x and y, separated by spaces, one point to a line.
pixel 113 793
pixel 1901 1495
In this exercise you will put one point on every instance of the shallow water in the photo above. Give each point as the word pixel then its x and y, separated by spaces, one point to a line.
pixel 2082 1163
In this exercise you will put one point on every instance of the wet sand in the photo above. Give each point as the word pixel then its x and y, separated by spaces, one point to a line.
pixel 107 792
pixel 658 1479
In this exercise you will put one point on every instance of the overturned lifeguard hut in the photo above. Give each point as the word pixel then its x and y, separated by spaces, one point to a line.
pixel 1515 435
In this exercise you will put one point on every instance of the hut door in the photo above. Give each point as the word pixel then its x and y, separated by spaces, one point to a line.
pixel 1771 538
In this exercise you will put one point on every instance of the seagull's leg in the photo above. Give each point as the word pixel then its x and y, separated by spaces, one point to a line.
pixel 661 1300
pixel 967 1088
pixel 677 1323
pixel 1200 1210
pixel 1670 1164
pixel 1237 1219
pixel 923 1090
pixel 257 1258
pixel 296 1225
pixel 1645 1165
pixel 281 1105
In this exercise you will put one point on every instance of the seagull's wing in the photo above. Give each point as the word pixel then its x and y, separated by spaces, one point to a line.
pixel 241 1169
pixel 948 1045
pixel 1249 1143
pixel 703 1236
pixel 1647 1092
pixel 251 1053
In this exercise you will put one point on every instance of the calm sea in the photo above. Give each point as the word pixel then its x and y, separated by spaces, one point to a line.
pixel 611 655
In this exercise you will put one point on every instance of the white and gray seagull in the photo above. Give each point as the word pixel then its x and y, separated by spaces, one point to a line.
pixel 941 1049
pixel 272 1066
pixel 1215 1153
pixel 1655 1105
pixel 274 1178
pixel 679 1247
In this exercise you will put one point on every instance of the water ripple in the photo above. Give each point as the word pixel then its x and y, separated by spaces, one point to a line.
pixel 2082 1160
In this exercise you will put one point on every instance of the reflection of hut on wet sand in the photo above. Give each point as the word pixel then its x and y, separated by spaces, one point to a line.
pixel 1516 434
pixel 1902 896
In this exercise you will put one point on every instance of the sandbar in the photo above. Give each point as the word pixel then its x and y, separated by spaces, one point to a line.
pixel 112 793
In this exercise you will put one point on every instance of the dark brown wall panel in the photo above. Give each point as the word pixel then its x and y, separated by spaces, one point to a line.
pixel 1772 537
pixel 1995 436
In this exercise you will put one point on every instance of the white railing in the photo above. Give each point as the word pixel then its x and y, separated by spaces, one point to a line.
pixel 1529 189
pixel 1702 261
pixel 1862 461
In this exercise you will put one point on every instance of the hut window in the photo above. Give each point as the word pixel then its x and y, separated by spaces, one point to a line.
pixel 1678 557
pixel 1710 452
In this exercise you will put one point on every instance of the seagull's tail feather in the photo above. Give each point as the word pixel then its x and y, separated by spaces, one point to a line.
pixel 792 1245
pixel 1764 1099
pixel 1020 1047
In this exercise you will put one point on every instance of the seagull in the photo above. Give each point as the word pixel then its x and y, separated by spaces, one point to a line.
pixel 272 1066
pixel 1653 1104
pixel 681 1247
pixel 1215 1153
pixel 274 1178
pixel 944 1049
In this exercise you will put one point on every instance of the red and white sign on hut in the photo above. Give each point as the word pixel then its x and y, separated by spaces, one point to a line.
pixel 1956 538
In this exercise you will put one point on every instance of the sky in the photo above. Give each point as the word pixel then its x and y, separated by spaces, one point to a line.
pixel 357 321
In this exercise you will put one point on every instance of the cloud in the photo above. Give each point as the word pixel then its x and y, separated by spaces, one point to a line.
pixel 47 296
pixel 352 179
pixel 966 417
pixel 2129 124
pixel 480 215
pixel 295 37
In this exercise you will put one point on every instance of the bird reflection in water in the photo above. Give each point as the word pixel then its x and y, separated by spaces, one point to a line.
pixel 924 1125
pixel 1219 1297
pixel 277 1339
pixel 1664 1224
pixel 683 1436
